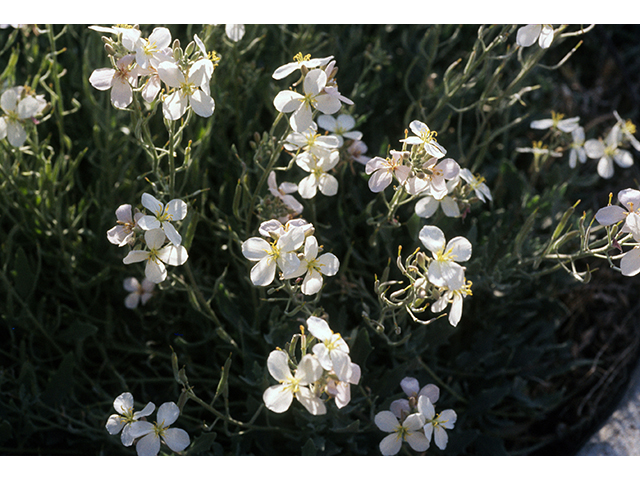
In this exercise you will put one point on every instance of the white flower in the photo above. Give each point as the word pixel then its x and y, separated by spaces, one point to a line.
pixel 341 391
pixel 302 106
pixel 411 431
pixel 153 47
pixel 123 404
pixel 433 176
pixel 140 293
pixel 528 35
pixel 192 89
pixel 124 232
pixel 454 294
pixel 608 152
pixel 119 80
pixel 443 270
pixel 130 35
pixel 149 435
pixel 313 268
pixel 425 137
pixel 436 424
pixel 476 182
pixel 235 32
pixel 627 131
pixel 318 177
pixel 577 151
pixel 282 192
pixel 557 121
pixel 281 252
pixel 382 170
pixel 340 127
pixel 311 141
pixel 157 255
pixel 298 62
pixel 274 229
pixel 278 398
pixel 17 112
pixel 357 150
pixel 162 216
pixel 332 351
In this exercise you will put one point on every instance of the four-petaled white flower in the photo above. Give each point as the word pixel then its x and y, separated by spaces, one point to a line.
pixel 140 292
pixel 299 61
pixel 340 127
pixel 192 89
pixel 436 424
pixel 425 137
pixel 311 141
pixel 313 268
pixel 433 177
pixel 162 216
pixel 153 48
pixel 278 398
pixel 557 121
pixel 607 152
pixel 382 170
pixel 410 386
pixel 318 178
pixel 302 106
pixel 428 205
pixel 281 252
pixel 411 431
pixel 357 151
pixel 332 351
pixel 119 80
pixel 528 35
pixel 157 255
pixel 17 112
pixel 126 417
pixel 124 232
pixel 443 270
pixel 149 435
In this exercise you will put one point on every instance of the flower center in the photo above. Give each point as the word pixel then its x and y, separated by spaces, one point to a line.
pixel 629 127
pixel 401 432
pixel 556 117
pixel 300 58
pixel 159 429
pixel 187 88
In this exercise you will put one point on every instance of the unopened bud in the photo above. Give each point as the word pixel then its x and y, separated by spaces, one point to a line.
pixel 109 49
pixel 176 44
pixel 189 50
pixel 177 52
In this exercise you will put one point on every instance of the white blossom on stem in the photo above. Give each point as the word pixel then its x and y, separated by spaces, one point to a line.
pixel 607 152
pixel 122 421
pixel 149 435
pixel 313 267
pixel 311 141
pixel 124 232
pixel 191 89
pixel 153 48
pixel 436 424
pixel 382 170
pixel 341 391
pixel 341 127
pixel 18 111
pixel 162 216
pixel 298 62
pixel 443 270
pixel 278 398
pixel 120 80
pixel 557 121
pixel 332 351
pixel 476 182
pixel 577 151
pixel 627 131
pixel 318 178
pixel 410 431
pixel 453 294
pixel 157 255
pixel 283 192
pixel 426 138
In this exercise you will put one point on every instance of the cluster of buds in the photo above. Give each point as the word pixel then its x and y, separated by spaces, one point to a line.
pixel 143 64
pixel 325 373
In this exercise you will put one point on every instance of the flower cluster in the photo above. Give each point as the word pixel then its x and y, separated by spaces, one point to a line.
pixel 143 64
pixel 134 428
pixel 414 420
pixel 315 153
pixel 440 182
pixel 20 107
pixel 293 249
pixel 156 229
pixel 569 135
pixel 327 370
pixel 629 213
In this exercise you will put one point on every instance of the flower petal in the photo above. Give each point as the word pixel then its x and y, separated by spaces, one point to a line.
pixel 432 238
pixel 176 439
pixel 386 421
pixel 277 398
pixel 173 255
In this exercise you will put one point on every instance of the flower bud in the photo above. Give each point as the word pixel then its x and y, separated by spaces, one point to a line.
pixel 189 50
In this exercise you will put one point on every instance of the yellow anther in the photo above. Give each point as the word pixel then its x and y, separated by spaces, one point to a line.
pixel 300 58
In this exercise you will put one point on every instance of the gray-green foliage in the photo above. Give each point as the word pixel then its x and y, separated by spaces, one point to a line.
pixel 70 346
